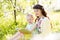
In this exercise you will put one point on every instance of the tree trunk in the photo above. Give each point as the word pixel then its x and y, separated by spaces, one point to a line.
pixel 15 12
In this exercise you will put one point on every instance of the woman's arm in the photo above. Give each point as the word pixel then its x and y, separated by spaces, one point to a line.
pixel 33 28
pixel 45 27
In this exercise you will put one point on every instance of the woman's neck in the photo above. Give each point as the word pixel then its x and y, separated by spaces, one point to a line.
pixel 41 16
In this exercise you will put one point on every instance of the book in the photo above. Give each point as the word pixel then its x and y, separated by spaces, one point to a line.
pixel 24 31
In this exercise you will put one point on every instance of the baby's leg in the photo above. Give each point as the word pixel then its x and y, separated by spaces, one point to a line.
pixel 17 36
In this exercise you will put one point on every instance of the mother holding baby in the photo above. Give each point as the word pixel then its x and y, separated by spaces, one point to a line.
pixel 42 22
pixel 42 26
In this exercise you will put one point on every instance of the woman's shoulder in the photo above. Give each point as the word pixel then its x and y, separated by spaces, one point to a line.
pixel 45 21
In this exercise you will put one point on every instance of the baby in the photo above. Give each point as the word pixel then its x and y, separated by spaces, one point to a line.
pixel 30 20
pixel 30 27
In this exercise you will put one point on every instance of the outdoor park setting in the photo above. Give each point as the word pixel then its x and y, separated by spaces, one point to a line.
pixel 13 15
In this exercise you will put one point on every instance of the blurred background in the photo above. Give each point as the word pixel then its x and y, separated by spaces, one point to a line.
pixel 13 13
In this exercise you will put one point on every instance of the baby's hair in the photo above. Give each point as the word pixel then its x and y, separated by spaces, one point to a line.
pixel 28 15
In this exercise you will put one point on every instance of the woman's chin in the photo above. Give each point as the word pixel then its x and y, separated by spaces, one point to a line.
pixel 37 15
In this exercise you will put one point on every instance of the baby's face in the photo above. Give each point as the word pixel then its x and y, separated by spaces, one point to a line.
pixel 30 19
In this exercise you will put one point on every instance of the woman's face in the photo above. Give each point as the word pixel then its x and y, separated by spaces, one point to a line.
pixel 37 12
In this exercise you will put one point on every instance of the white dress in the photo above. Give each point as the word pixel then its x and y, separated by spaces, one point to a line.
pixel 45 29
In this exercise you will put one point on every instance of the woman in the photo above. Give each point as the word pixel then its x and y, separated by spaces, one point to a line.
pixel 42 22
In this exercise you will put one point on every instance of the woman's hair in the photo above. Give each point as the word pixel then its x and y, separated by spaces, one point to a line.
pixel 41 8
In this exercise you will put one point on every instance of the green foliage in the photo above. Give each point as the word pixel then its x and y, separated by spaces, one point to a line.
pixel 7 25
